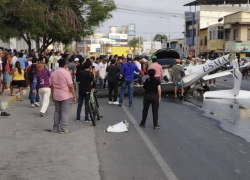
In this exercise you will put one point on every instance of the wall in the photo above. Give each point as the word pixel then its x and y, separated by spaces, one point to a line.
pixel 209 15
pixel 148 46
pixel 5 45
pixel 241 17
pixel 243 32
pixel 203 34
pixel 94 46
pixel 120 51
pixel 216 45
pixel 230 46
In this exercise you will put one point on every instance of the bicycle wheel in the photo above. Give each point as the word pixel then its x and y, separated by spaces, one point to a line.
pixel 92 113
pixel 97 110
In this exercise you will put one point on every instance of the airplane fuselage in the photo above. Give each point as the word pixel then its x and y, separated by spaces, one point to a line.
pixel 195 73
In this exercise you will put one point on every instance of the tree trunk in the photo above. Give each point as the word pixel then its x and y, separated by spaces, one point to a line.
pixel 28 42
pixel 46 44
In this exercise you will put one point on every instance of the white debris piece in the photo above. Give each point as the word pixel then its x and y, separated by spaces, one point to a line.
pixel 3 105
pixel 120 127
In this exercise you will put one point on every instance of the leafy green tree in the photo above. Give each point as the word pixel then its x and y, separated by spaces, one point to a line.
pixel 160 37
pixel 135 42
pixel 48 21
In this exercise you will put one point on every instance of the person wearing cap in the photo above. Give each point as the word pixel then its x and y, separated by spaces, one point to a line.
pixel 158 69
pixel 127 71
pixel 76 80
pixel 177 75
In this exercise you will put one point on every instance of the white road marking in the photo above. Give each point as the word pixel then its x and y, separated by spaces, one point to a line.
pixel 159 159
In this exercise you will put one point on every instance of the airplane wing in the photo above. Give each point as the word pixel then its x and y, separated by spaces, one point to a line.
pixel 246 65
pixel 216 75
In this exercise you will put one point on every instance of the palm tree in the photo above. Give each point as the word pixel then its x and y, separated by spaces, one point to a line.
pixel 160 37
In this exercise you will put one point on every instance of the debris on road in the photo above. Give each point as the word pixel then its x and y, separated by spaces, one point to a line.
pixel 118 128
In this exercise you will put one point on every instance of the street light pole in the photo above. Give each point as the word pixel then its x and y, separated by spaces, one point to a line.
pixel 169 28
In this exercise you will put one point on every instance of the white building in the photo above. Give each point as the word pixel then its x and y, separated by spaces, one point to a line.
pixel 150 46
pixel 177 45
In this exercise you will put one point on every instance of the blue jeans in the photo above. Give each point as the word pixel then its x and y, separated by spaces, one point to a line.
pixel 32 96
pixel 101 83
pixel 130 84
pixel 81 98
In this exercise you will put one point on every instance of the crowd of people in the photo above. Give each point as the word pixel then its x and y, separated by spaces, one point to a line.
pixel 69 79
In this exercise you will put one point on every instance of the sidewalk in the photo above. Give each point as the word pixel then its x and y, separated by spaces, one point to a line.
pixel 5 97
pixel 30 151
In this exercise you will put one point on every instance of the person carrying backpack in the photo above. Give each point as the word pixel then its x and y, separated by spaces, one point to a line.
pixel 31 72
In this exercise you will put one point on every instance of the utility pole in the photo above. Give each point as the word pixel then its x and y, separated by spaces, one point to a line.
pixel 139 45
pixel 169 28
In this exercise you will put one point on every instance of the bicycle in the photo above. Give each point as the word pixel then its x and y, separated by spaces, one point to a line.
pixel 93 108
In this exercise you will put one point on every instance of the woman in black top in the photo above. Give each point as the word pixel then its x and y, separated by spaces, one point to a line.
pixel 152 96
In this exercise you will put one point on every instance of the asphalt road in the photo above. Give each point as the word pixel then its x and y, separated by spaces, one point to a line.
pixel 198 140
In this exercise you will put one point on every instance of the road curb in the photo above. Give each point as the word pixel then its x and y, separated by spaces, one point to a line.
pixel 13 99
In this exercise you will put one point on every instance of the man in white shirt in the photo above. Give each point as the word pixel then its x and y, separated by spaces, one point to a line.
pixel 102 73
pixel 14 59
pixel 137 74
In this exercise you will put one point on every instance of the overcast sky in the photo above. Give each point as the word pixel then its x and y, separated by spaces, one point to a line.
pixel 149 24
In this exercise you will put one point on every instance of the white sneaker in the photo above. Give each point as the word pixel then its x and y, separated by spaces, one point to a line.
pixel 116 103
pixel 110 102
pixel 32 105
pixel 37 104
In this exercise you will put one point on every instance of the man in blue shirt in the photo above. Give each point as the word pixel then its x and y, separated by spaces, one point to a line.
pixel 23 61
pixel 128 71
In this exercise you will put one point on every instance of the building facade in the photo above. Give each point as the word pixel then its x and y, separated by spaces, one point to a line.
pixel 208 16
pixel 237 33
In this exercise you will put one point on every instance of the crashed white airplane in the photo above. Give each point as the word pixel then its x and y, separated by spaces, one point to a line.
pixel 234 93
pixel 192 74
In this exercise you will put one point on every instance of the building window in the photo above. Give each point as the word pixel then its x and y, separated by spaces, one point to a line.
pixel 205 41
pixel 236 34
pixel 210 35
pixel 248 34
pixel 201 43
pixel 227 34
pixel 214 34
pixel 220 33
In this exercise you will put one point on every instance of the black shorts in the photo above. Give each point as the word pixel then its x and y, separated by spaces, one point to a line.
pixel 18 83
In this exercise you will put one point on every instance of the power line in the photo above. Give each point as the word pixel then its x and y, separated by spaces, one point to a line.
pixel 161 12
